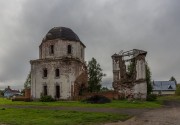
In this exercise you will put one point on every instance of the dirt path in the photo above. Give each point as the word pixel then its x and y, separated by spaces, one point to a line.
pixel 163 116
pixel 168 115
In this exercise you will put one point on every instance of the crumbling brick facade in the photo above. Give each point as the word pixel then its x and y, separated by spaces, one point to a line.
pixel 131 83
pixel 60 66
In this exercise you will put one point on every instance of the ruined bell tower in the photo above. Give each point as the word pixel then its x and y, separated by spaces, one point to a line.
pixel 129 74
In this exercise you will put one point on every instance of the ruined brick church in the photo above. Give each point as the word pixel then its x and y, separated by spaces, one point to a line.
pixel 60 70
pixel 130 83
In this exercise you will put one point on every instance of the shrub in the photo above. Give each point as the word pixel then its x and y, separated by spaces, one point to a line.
pixel 46 98
pixel 151 97
pixel 97 99
pixel 177 92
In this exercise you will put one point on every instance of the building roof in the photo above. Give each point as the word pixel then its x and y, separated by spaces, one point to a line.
pixel 133 53
pixel 63 33
pixel 10 90
pixel 164 85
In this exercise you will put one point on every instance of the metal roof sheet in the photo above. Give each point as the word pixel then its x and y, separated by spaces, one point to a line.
pixel 164 85
pixel 61 33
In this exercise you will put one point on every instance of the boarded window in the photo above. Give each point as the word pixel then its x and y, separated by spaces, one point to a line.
pixel 57 91
pixel 69 49
pixel 57 72
pixel 51 49
pixel 44 72
pixel 45 90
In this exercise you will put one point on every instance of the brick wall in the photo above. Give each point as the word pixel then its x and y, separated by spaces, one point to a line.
pixel 109 94
pixel 28 93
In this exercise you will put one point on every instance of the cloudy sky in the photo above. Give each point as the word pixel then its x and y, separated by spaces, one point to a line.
pixel 104 26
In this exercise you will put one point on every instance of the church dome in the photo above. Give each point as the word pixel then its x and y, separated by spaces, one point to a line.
pixel 61 33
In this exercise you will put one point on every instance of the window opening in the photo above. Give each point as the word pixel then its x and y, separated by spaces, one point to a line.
pixel 45 90
pixel 57 72
pixel 51 49
pixel 45 73
pixel 57 91
pixel 69 49
pixel 81 52
pixel 170 87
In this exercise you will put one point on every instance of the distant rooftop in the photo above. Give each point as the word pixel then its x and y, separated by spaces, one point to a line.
pixel 164 85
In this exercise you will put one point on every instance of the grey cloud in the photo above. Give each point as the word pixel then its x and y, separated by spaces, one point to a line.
pixel 105 27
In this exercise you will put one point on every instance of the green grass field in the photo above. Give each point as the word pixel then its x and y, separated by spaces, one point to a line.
pixel 55 117
pixel 161 99
pixel 113 104
pixel 14 116
pixel 172 97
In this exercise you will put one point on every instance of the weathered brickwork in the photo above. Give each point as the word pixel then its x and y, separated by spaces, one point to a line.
pixel 131 84
pixel 60 64
pixel 28 93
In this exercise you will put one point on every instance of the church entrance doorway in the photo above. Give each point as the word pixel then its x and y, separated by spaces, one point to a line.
pixel 57 91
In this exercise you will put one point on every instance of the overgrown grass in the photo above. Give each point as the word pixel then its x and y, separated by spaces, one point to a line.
pixel 55 117
pixel 113 104
pixel 13 116
pixel 172 97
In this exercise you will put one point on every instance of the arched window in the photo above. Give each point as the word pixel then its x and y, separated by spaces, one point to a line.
pixel 69 49
pixel 57 73
pixel 45 72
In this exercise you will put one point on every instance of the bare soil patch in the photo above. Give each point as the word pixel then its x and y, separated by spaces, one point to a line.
pixel 168 115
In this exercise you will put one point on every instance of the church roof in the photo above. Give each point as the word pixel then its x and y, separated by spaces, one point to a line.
pixel 63 33
pixel 164 85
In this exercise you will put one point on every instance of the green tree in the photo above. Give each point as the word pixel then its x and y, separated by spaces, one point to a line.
pixel 173 79
pixel 95 76
pixel 131 68
pixel 23 91
pixel 27 83
pixel 177 92
pixel 1 93
pixel 148 80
